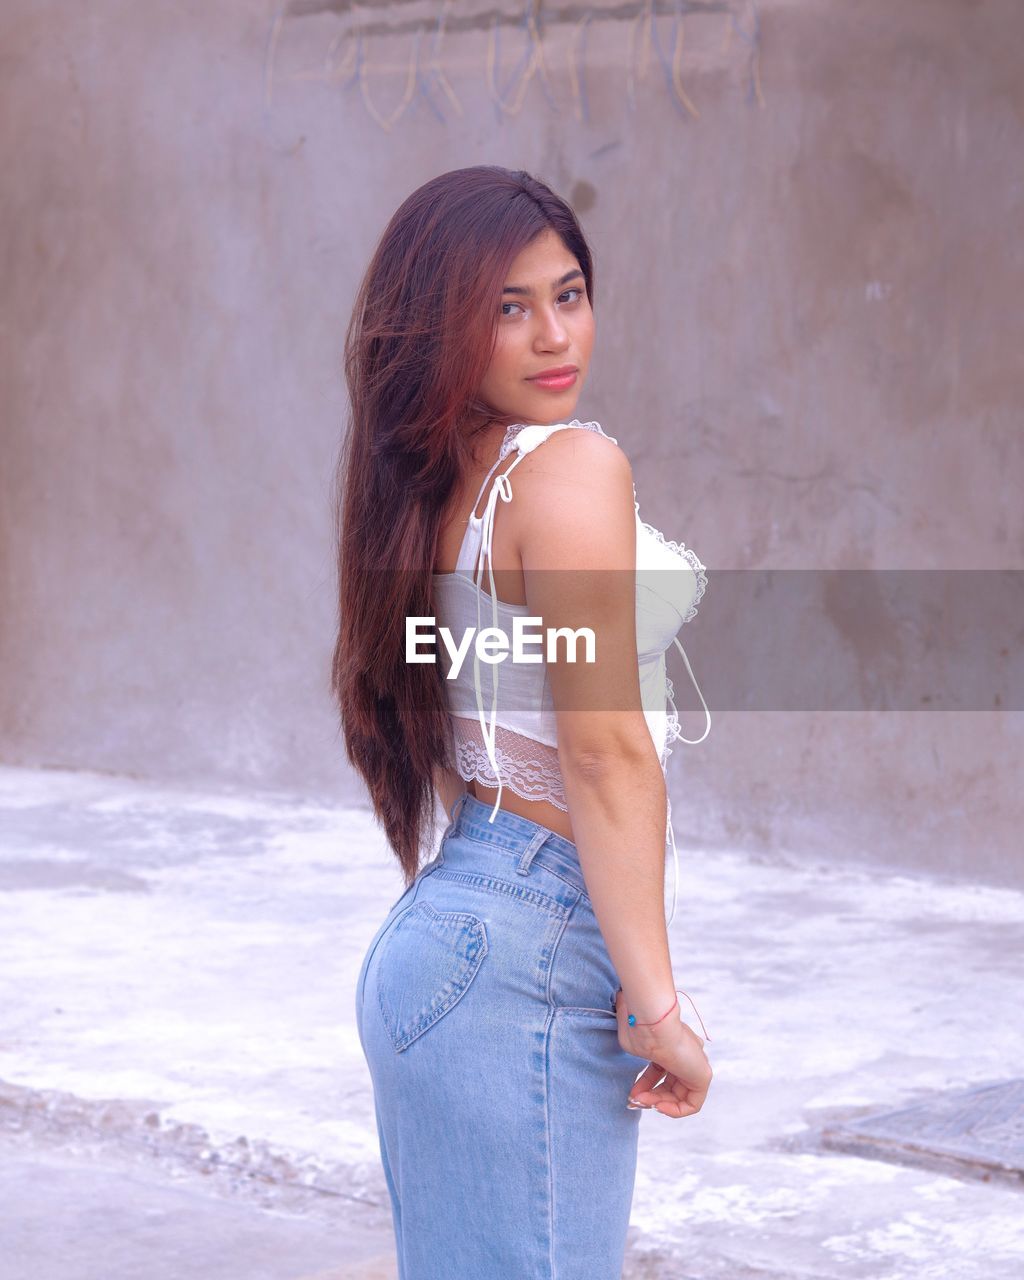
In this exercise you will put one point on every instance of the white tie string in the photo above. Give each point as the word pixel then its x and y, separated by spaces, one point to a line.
pixel 500 489
pixel 693 742
pixel 707 713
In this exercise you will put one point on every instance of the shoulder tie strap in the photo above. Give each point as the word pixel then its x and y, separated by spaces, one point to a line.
pixel 480 493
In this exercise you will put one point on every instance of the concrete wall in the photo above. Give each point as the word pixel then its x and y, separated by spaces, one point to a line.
pixel 809 337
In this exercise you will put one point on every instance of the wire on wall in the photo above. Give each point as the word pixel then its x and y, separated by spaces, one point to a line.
pixel 423 73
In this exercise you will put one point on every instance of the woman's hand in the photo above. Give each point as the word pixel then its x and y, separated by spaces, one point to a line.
pixel 675 1052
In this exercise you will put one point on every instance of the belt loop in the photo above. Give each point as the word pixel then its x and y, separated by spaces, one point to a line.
pixel 523 866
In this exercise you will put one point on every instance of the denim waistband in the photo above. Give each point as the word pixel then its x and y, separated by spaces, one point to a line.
pixel 525 840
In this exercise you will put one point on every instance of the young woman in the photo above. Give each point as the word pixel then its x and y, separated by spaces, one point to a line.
pixel 523 979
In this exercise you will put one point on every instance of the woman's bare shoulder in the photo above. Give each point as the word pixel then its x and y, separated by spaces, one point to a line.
pixel 573 460
pixel 575 496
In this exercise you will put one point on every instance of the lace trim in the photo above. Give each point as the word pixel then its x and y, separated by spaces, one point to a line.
pixel 680 549
pixel 674 730
pixel 528 768
pixel 529 777
pixel 511 432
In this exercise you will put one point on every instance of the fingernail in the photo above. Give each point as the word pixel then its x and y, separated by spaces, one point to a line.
pixel 637 1106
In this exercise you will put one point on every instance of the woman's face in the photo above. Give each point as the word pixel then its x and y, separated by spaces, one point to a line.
pixel 545 322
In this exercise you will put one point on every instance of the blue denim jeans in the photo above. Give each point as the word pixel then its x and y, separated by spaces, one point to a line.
pixel 485 1008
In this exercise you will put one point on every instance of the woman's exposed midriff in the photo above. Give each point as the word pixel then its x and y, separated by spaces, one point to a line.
pixel 542 812
pixel 449 786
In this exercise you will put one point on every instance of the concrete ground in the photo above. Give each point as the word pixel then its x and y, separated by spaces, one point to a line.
pixel 182 1089
pixel 95 1216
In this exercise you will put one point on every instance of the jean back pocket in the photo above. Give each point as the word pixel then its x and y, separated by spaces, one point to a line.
pixel 425 967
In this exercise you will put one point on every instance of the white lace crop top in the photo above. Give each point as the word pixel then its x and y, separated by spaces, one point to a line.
pixel 517 744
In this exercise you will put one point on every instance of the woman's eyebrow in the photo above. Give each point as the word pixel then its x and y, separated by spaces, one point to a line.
pixel 518 288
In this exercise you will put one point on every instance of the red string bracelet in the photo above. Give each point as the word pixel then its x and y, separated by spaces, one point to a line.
pixel 633 1022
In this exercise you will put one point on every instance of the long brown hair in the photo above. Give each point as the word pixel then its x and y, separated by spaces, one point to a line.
pixel 417 348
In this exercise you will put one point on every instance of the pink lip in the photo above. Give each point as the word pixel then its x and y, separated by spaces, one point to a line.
pixel 556 383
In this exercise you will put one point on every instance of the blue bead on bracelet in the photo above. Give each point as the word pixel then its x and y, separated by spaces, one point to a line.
pixel 631 1018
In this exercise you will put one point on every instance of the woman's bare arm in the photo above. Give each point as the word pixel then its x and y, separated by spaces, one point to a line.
pixel 577 538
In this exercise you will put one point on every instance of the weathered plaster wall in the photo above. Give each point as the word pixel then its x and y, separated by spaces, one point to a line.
pixel 809 323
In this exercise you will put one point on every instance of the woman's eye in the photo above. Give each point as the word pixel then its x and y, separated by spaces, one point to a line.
pixel 516 304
